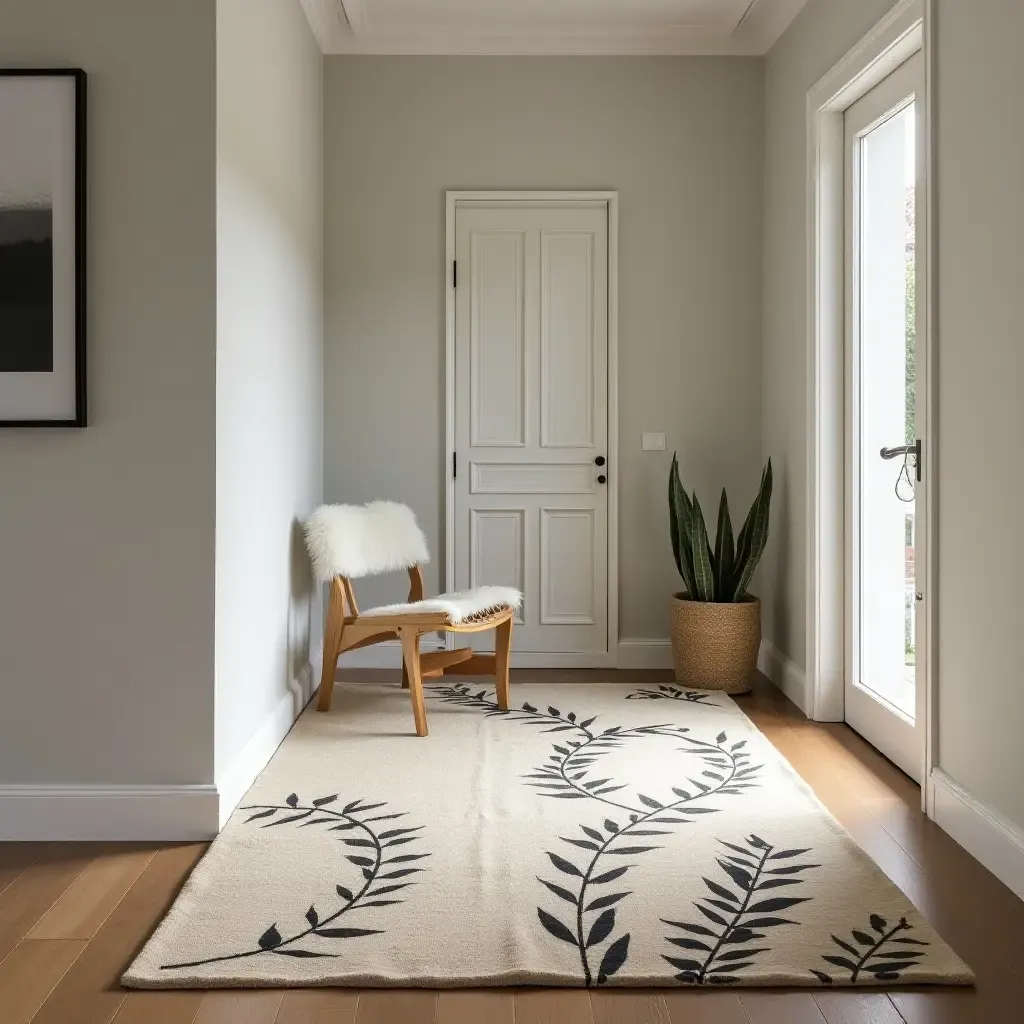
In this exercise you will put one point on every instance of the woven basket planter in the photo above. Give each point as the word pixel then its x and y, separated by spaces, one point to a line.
pixel 714 646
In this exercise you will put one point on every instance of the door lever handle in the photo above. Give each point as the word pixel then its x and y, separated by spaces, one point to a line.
pixel 905 449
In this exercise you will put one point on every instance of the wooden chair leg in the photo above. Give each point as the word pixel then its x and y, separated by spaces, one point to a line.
pixel 411 657
pixel 502 659
pixel 332 646
pixel 405 676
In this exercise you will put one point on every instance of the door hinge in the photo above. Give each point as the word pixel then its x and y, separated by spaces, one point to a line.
pixel 455 273
pixel 455 464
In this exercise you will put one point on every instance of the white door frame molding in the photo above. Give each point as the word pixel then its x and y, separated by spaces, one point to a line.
pixel 611 200
pixel 906 30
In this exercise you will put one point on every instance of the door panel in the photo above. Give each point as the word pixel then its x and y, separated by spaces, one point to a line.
pixel 883 409
pixel 531 381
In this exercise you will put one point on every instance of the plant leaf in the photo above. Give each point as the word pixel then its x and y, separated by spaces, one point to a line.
pixel 561 893
pixel 778 903
pixel 725 549
pixel 564 866
pixel 271 938
pixel 601 928
pixel 609 876
pixel 311 917
pixel 555 927
pixel 606 901
pixel 347 933
pixel 344 893
pixel 720 890
pixel 703 573
pixel 614 957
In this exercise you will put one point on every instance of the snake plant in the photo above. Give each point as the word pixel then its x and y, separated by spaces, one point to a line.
pixel 721 575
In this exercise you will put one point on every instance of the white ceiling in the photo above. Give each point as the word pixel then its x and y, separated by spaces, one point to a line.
pixel 550 26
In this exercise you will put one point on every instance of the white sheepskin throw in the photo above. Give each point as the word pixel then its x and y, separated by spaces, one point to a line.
pixel 364 540
pixel 462 605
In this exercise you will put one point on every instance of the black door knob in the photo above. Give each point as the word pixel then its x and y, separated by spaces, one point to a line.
pixel 599 461
pixel 602 479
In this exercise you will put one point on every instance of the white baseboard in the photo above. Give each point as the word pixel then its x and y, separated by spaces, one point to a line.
pixel 983 832
pixel 235 782
pixel 786 675
pixel 645 652
pixel 99 812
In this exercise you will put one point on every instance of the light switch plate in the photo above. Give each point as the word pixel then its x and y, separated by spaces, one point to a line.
pixel 653 442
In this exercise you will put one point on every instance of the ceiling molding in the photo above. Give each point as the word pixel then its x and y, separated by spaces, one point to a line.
pixel 344 27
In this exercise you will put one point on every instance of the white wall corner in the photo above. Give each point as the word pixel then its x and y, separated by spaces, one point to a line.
pixel 645 652
pixel 256 754
pixel 983 832
pixel 110 813
pixel 785 674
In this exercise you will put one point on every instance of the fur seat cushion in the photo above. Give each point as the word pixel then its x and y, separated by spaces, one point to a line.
pixel 459 606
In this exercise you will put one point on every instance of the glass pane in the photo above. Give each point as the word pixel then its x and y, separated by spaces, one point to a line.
pixel 887 330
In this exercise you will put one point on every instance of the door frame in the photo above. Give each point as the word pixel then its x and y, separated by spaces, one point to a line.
pixel 610 198
pixel 909 28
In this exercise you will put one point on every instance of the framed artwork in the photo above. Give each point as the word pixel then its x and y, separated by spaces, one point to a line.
pixel 42 247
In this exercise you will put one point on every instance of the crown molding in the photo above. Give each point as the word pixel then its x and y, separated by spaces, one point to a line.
pixel 343 27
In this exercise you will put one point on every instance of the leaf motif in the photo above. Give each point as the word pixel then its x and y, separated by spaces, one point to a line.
pixel 392 832
pixel 601 928
pixel 289 819
pixel 911 942
pixel 649 801
pixel 885 968
pixel 311 917
pixel 402 873
pixel 610 825
pixel 344 893
pixel 564 866
pixel 849 947
pixel 720 890
pixel 347 933
pixel 862 938
pixel 740 954
pixel 361 861
pixel 778 903
pixel 271 938
pixel 786 854
pixel 555 927
pixel 389 888
pixel 683 965
pixel 404 858
pixel 767 922
pixel 554 712
pixel 301 953
pixel 261 814
pixel 681 793
pixel 583 844
pixel 720 738
pixel 841 961
pixel 878 923
pixel 399 842
pixel 359 842
pixel 627 851
pixel 614 957
pixel 822 977
pixel 292 801
pixel 711 915
pixel 738 875
pixel 694 929
pixel 685 943
pixel 323 801
pixel 561 893
pixel 609 876
pixel 530 708
pixel 606 901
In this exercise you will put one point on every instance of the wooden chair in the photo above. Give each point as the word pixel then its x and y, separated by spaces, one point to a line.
pixel 350 541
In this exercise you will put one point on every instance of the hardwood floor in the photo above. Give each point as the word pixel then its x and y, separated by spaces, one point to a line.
pixel 73 915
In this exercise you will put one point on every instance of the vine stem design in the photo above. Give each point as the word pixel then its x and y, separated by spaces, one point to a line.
pixel 737 917
pixel 900 926
pixel 369 875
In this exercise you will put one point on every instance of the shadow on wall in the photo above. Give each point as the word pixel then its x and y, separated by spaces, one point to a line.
pixel 304 608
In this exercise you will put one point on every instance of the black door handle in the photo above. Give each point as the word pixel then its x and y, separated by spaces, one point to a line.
pixel 602 479
pixel 599 461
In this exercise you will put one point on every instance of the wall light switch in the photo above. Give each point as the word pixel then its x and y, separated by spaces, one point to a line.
pixel 653 442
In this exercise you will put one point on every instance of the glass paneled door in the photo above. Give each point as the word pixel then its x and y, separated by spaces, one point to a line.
pixel 884 417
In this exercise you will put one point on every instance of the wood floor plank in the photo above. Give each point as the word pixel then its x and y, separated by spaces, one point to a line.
pixel 468 1005
pixel 318 1006
pixel 696 1007
pixel 89 900
pixel 257 1007
pixel 762 1007
pixel 90 992
pixel 35 890
pixel 553 1006
pixel 629 1007
pixel 397 1007
pixel 857 1008
pixel 15 858
pixel 159 1008
pixel 30 974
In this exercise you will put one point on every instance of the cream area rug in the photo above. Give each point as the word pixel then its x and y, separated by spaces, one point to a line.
pixel 594 835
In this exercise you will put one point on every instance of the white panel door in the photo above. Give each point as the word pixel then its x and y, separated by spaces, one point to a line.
pixel 885 409
pixel 531 416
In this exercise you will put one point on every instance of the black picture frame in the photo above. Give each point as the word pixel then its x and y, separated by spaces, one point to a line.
pixel 80 417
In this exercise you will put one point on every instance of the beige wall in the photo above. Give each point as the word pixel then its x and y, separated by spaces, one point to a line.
pixel 981 411
pixel 980 363
pixel 269 357
pixel 107 533
pixel 820 35
pixel 680 138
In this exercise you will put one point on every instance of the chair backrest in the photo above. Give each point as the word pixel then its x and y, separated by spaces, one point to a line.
pixel 364 540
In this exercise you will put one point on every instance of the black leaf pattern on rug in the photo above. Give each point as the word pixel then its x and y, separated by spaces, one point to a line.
pixel 379 870
pixel 735 917
pixel 566 775
pixel 698 697
pixel 881 951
